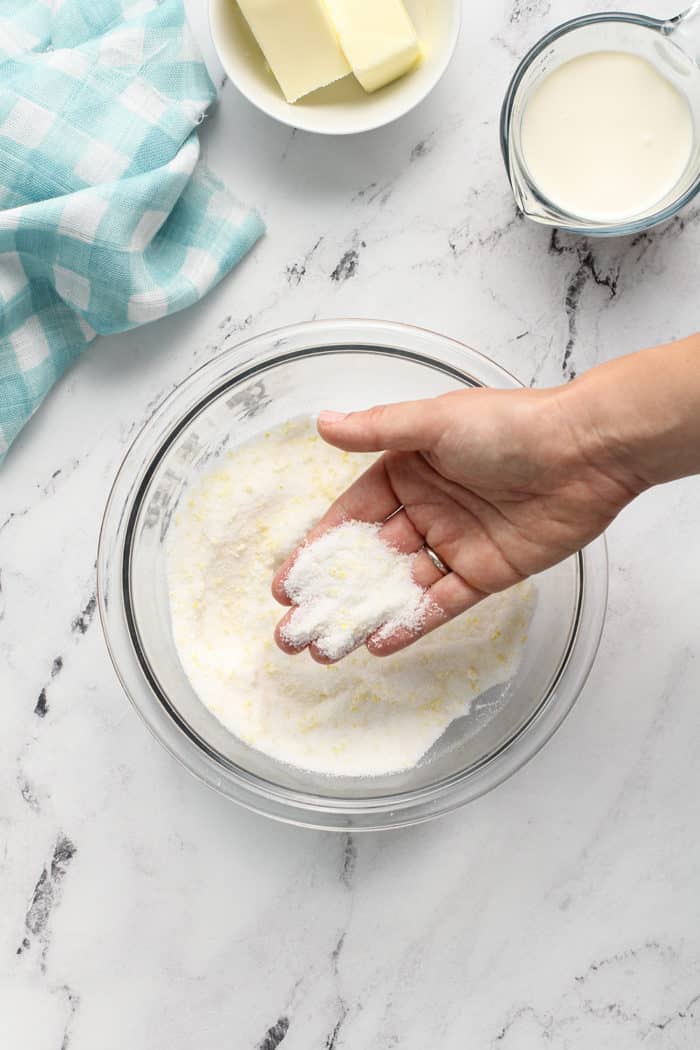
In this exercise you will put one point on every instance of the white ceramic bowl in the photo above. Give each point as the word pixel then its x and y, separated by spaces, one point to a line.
pixel 343 108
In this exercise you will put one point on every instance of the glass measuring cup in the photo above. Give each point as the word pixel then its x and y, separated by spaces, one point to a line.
pixel 671 46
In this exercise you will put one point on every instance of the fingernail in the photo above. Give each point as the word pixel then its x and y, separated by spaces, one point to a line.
pixel 331 417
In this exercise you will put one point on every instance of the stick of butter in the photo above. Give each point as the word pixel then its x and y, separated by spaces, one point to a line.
pixel 299 42
pixel 378 39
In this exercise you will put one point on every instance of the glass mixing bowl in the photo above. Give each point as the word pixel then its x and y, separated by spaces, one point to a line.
pixel 300 370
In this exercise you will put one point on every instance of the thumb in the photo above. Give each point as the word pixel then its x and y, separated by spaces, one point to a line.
pixel 405 427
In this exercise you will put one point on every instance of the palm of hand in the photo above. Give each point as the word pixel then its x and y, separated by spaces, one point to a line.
pixel 492 537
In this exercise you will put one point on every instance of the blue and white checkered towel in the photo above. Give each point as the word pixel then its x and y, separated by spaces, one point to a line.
pixel 108 219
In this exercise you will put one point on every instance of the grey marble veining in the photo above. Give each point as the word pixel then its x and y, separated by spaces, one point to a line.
pixel 138 908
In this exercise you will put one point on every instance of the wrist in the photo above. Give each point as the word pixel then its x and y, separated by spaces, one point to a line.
pixel 605 429
pixel 638 418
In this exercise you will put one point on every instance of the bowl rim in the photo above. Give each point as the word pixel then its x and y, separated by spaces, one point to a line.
pixel 293 805
pixel 300 119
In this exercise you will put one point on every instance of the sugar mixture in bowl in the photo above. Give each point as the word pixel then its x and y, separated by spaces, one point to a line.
pixel 362 716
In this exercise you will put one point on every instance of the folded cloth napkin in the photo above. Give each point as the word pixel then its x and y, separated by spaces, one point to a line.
pixel 108 219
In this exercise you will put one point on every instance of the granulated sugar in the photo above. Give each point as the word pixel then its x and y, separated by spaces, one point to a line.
pixel 347 584
pixel 360 717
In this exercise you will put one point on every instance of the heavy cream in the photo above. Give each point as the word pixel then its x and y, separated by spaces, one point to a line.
pixel 606 136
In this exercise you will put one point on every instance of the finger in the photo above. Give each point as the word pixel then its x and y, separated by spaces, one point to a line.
pixel 370 498
pixel 425 572
pixel 286 646
pixel 449 597
pixel 406 426
pixel 321 658
pixel 400 533
pixel 281 639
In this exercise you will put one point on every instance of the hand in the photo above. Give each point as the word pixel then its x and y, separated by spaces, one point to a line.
pixel 500 484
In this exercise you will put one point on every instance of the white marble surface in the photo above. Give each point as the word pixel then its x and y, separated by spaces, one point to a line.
pixel 141 910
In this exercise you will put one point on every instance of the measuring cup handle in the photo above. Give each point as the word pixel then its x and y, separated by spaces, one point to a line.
pixel 685 30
